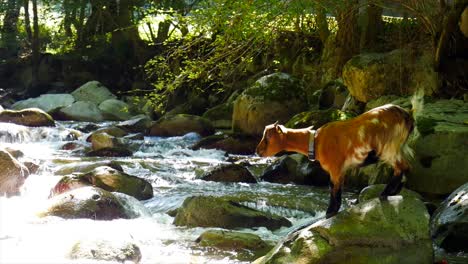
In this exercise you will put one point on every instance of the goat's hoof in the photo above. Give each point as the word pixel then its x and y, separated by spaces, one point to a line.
pixel 330 214
pixel 383 197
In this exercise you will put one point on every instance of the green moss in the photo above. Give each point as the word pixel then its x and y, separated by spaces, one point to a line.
pixel 277 87
pixel 317 118
pixel 425 125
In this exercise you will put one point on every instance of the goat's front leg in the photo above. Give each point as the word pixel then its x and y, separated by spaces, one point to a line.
pixel 335 197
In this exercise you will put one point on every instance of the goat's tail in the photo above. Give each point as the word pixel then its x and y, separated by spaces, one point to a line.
pixel 417 103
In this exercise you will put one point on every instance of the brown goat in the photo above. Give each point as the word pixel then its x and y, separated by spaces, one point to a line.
pixel 379 134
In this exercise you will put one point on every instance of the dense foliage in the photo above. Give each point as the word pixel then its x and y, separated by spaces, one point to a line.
pixel 213 47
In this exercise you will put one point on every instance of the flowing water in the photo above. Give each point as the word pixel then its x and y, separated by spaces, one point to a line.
pixel 172 169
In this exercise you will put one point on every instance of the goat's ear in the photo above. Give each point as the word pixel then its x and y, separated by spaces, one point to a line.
pixel 279 129
pixel 276 123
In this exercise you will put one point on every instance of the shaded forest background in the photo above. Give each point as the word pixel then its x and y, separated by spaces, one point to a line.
pixel 174 51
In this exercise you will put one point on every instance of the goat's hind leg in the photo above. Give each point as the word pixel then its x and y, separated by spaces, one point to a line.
pixel 395 185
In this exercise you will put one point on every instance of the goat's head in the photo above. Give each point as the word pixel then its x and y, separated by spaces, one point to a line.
pixel 272 140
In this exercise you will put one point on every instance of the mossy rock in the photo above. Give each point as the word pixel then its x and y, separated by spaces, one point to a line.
pixel 210 211
pixel 441 148
pixel 112 131
pixel 275 97
pixel 32 117
pixel 374 191
pixel 232 240
pixel 87 202
pixel 317 118
pixel 231 143
pixel 108 179
pixel 393 231
pixel 181 124
pixel 106 250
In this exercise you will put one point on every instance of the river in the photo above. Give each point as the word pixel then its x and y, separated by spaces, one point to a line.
pixel 172 169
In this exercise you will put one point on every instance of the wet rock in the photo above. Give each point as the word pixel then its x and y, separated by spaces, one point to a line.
pixel 85 167
pixel 140 124
pixel 49 103
pixel 441 148
pixel 114 180
pixel 94 92
pixel 209 211
pixel 393 231
pixel 81 111
pixel 114 109
pixel 374 191
pixel 231 143
pixel 449 225
pixel 32 117
pixel 229 173
pixel 86 202
pixel 275 97
pixel 231 240
pixel 110 152
pixel 12 174
pixel 112 131
pixel 106 250
pixel 295 168
pixel 181 124
pixel 103 140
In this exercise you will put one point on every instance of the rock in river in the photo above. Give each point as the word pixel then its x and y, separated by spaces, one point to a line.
pixel 394 231
pixel 87 202
pixel 209 211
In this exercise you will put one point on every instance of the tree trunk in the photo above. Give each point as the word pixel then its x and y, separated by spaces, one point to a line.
pixel 449 27
pixel 322 23
pixel 9 30
pixel 27 21
pixel 371 25
pixel 35 52
pixel 163 31
pixel 347 37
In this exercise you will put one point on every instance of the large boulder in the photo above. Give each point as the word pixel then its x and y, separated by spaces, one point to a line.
pixel 371 75
pixel 114 109
pixel 449 223
pixel 109 179
pixel 106 250
pixel 295 168
pixel 317 118
pixel 374 231
pixel 220 115
pixel 32 117
pixel 82 111
pixel 87 202
pixel 181 124
pixel 275 97
pixel 12 174
pixel 93 91
pixel 47 102
pixel 209 211
pixel 441 149
pixel 229 173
